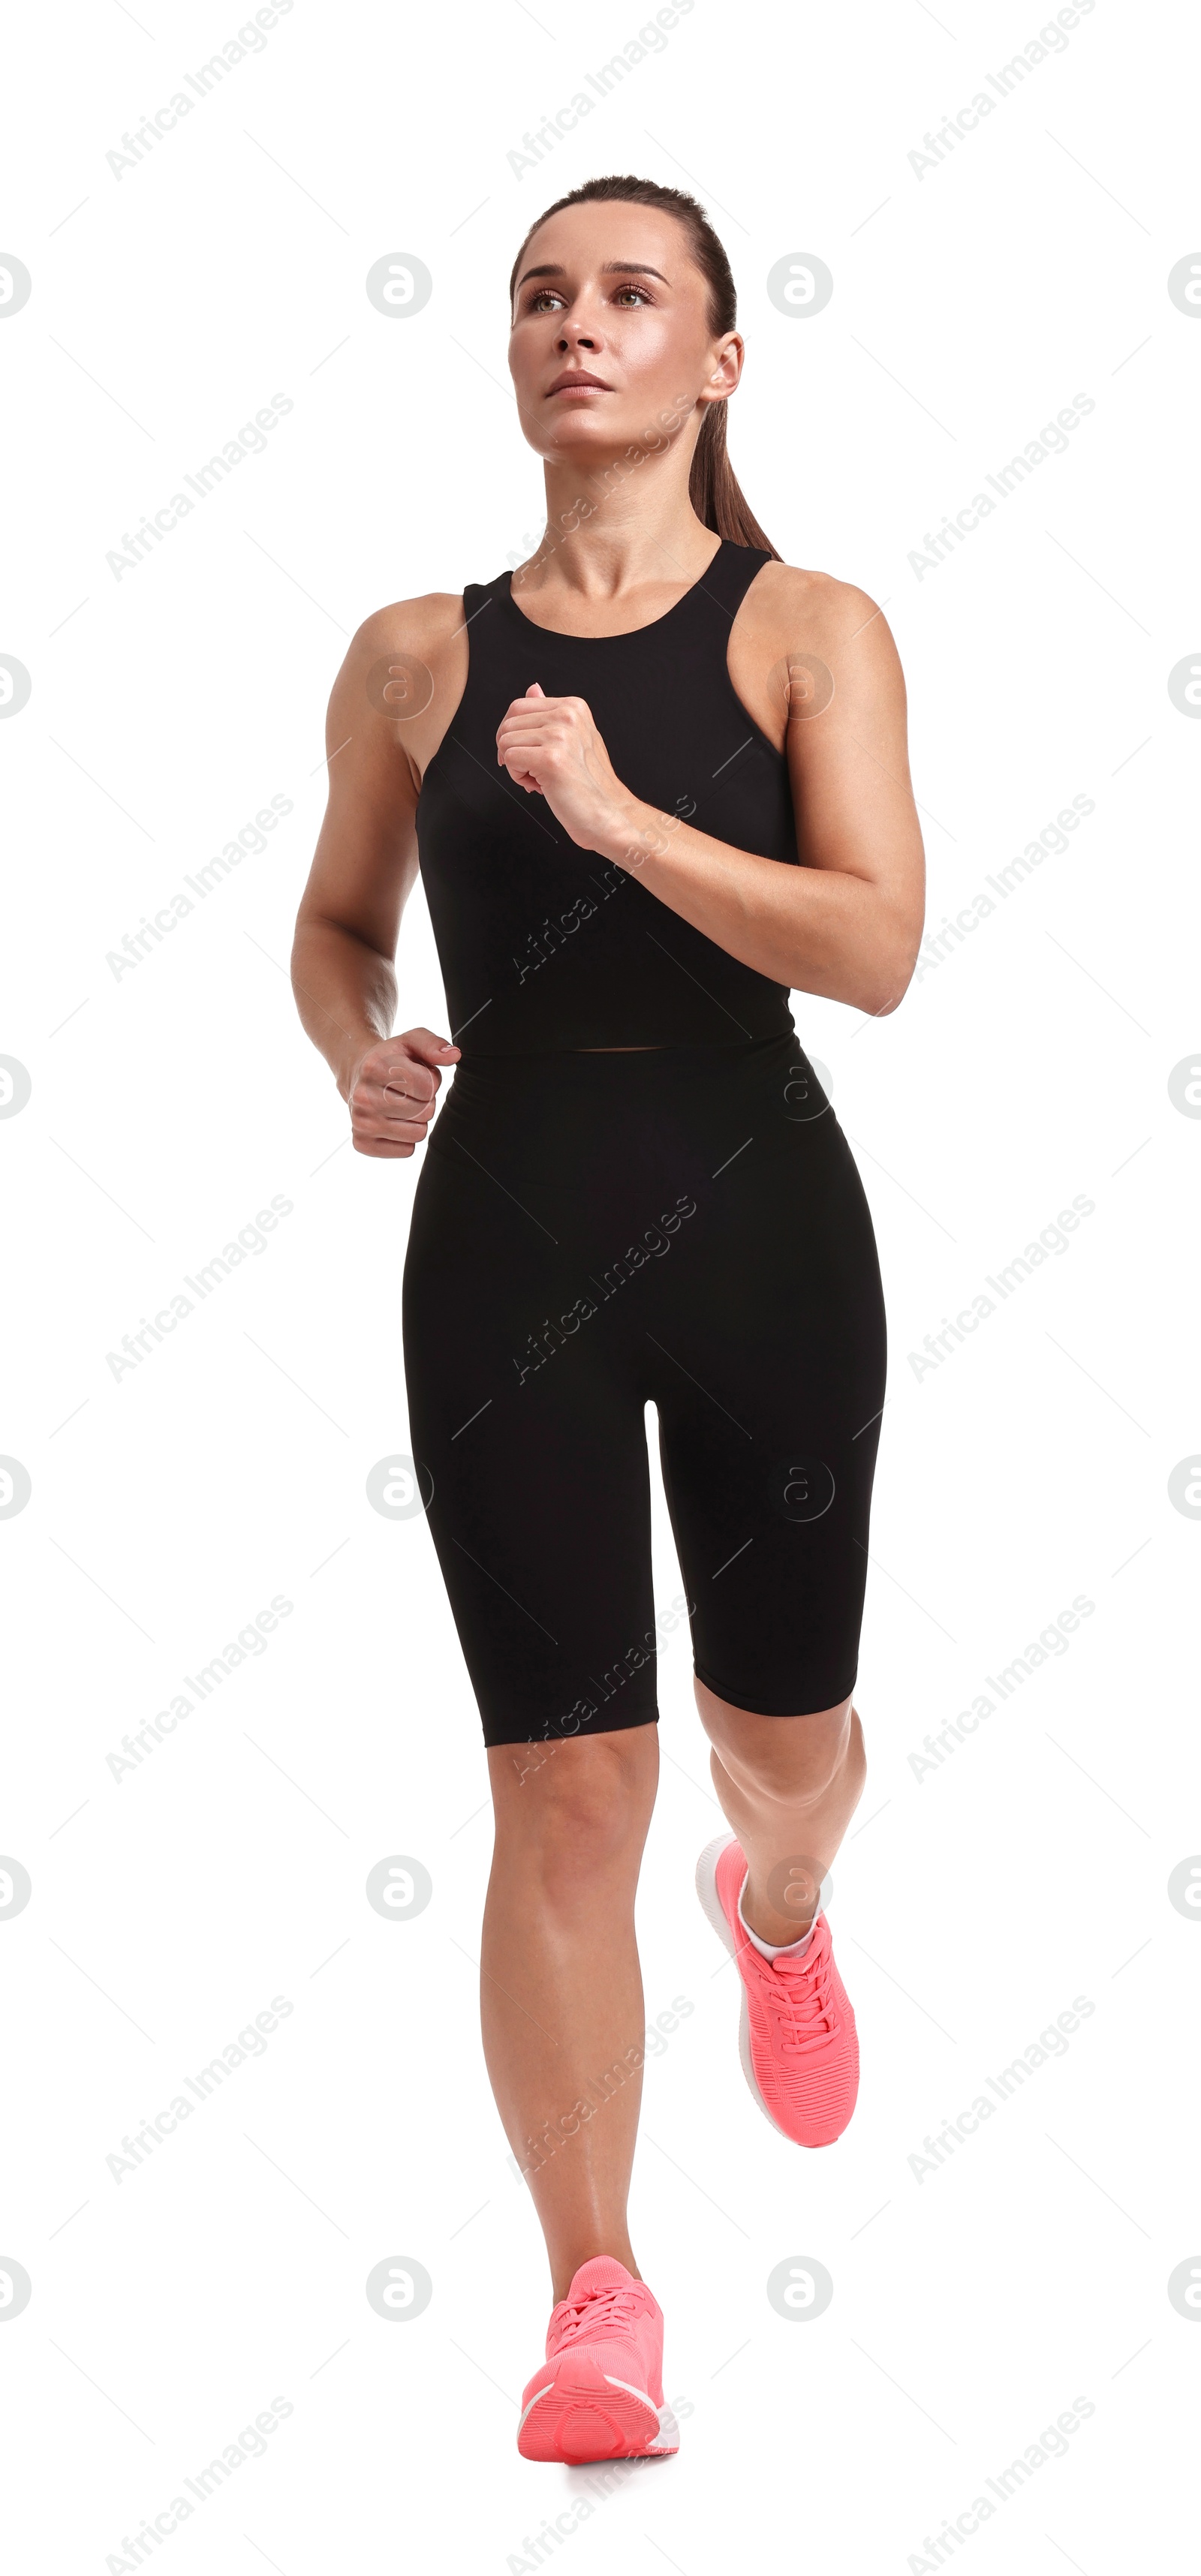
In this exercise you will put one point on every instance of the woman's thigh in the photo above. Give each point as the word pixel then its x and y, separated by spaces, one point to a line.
pixel 526 1418
pixel 769 1405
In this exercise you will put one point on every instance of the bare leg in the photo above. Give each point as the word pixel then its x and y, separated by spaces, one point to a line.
pixel 561 1989
pixel 789 1787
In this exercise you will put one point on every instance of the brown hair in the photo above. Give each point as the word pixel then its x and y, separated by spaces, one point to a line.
pixel 713 487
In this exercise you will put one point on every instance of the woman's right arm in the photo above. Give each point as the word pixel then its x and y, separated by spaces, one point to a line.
pixel 365 865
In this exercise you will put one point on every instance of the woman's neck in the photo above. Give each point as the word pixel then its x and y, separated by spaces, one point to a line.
pixel 640 533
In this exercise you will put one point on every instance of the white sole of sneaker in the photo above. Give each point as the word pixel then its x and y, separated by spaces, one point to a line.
pixel 706 1888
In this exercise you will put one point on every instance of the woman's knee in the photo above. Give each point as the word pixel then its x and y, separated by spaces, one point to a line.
pixel 790 1759
pixel 577 1807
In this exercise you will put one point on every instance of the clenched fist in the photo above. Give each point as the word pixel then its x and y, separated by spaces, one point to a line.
pixel 392 1092
pixel 551 747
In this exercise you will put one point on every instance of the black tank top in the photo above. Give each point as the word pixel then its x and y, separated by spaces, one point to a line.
pixel 544 945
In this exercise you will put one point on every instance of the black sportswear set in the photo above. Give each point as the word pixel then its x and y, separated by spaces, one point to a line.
pixel 590 1231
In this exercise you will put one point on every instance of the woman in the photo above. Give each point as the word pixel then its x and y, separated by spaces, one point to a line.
pixel 654 780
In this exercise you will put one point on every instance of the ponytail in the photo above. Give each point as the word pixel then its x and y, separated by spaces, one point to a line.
pixel 713 487
pixel 715 492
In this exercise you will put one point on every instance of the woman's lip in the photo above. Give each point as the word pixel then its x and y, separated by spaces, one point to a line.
pixel 580 385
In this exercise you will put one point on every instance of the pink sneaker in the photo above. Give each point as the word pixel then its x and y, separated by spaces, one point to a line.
pixel 599 2393
pixel 797 2039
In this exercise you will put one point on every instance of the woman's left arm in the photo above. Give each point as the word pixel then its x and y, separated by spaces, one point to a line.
pixel 847 922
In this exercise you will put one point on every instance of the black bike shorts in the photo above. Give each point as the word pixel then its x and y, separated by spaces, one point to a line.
pixel 684 1225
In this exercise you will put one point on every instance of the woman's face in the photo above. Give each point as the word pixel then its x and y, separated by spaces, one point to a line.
pixel 611 345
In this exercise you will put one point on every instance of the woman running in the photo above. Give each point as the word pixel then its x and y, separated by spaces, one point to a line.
pixel 654 781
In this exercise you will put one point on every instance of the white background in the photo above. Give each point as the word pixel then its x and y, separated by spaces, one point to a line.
pixel 169 1104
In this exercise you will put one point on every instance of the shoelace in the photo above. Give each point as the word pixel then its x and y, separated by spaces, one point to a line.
pixel 596 2312
pixel 799 1994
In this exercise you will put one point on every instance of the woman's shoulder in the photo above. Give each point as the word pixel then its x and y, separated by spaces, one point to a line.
pixel 411 625
pixel 409 657
pixel 784 595
pixel 789 609
pixel 410 661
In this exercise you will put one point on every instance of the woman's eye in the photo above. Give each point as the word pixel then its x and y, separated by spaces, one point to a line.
pixel 546 299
